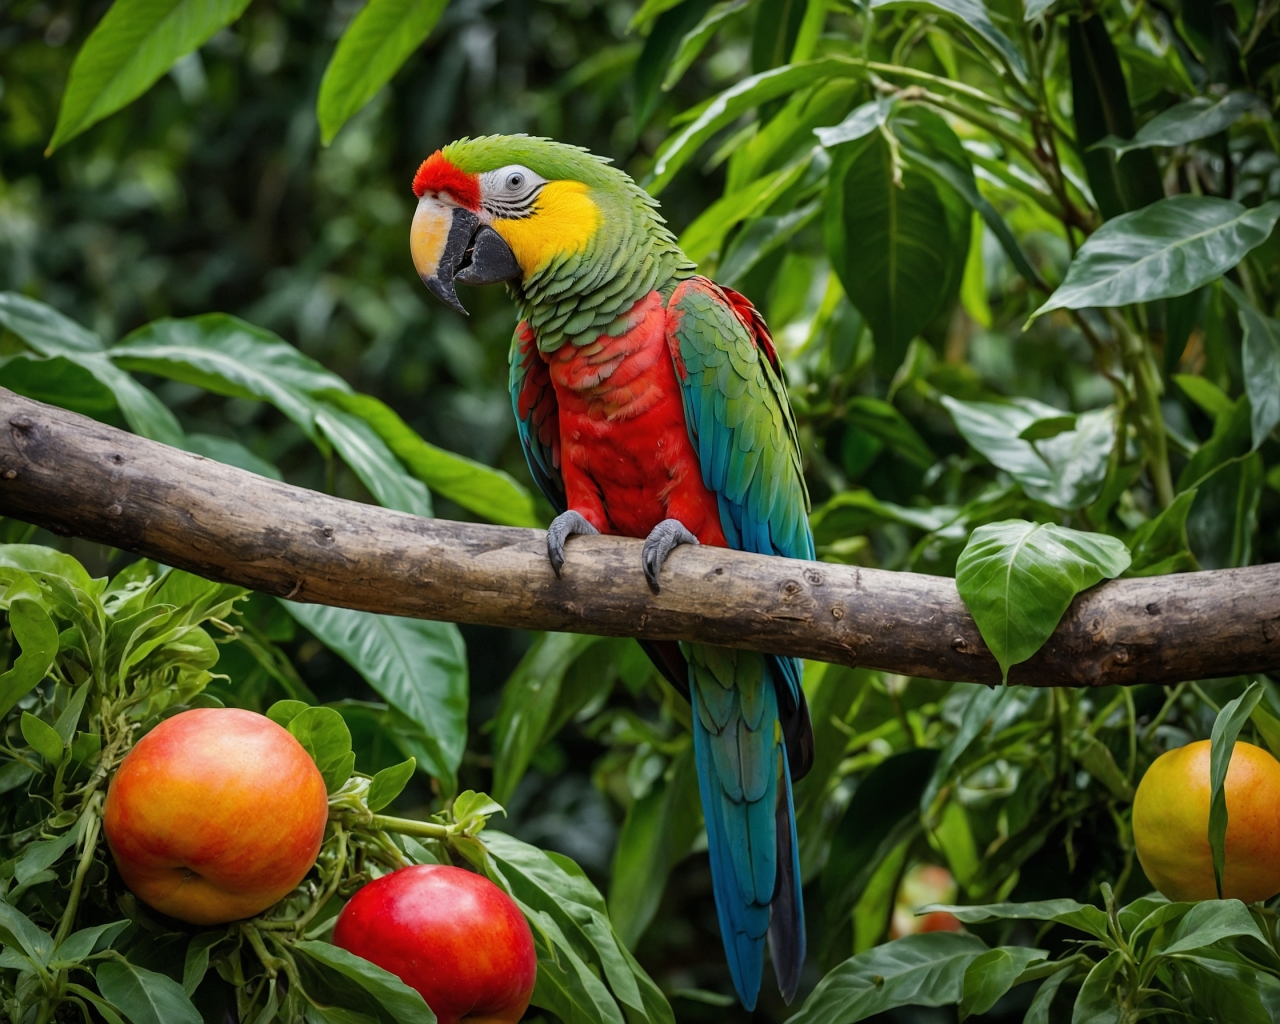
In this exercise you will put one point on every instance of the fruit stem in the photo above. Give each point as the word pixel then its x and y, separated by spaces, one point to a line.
pixel 91 829
pixel 410 827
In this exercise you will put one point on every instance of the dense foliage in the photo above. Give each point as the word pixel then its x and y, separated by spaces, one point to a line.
pixel 1021 264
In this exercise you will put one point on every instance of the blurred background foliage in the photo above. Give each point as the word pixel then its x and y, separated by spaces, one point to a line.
pixel 213 193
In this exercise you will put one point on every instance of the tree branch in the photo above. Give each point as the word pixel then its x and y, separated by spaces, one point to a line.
pixel 79 477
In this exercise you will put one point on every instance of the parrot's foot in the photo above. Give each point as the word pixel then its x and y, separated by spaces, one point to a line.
pixel 564 526
pixel 662 540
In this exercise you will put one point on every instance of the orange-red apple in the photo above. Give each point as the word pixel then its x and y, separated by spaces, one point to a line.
pixel 452 935
pixel 215 815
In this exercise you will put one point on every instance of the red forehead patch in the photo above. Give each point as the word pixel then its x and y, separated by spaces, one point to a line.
pixel 438 175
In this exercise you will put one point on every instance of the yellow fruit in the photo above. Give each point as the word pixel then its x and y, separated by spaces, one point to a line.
pixel 1171 824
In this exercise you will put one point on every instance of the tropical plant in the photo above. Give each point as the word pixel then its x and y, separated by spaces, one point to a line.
pixel 1021 264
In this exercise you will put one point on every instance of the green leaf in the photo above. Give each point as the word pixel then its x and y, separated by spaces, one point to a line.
pixel 856 511
pixel 1260 355
pixel 229 356
pixel 404 1004
pixel 1096 758
pixel 389 783
pixel 372 461
pixel 657 833
pixel 1168 248
pixel 41 855
pixel 880 419
pixel 961 180
pixel 1268 727
pixel 1206 394
pixel 481 489
pixel 1066 470
pixel 1038 1011
pixel 472 805
pixel 919 970
pixel 862 121
pixel 760 238
pixel 898 243
pixel 695 40
pixel 1189 121
pixel 233 453
pixel 44 328
pixel 1100 102
pixel 282 712
pixel 1209 922
pixel 87 941
pixel 983 706
pixel 376 43
pixel 196 961
pixel 51 334
pixel 1224 989
pixel 1222 744
pixel 325 736
pixel 992 974
pixel 37 637
pixel 579 953
pixel 528 701
pixel 706 234
pixel 672 20
pixel 881 815
pixel 1095 1004
pixel 974 14
pixel 773 36
pixel 39 560
pixel 733 102
pixel 1017 579
pixel 58 381
pixel 416 666
pixel 17 929
pixel 144 996
pixel 1224 516
pixel 1160 546
pixel 135 43
pixel 42 738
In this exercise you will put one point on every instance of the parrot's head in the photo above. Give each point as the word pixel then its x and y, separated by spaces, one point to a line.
pixel 522 210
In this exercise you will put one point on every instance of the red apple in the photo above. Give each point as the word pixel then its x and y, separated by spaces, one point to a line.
pixel 452 935
pixel 215 815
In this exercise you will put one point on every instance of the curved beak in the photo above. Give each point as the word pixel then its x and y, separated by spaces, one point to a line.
pixel 450 244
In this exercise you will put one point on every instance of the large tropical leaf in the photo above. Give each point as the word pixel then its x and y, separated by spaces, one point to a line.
pixel 1168 248
pixel 135 43
pixel 416 666
pixel 376 43
pixel 897 241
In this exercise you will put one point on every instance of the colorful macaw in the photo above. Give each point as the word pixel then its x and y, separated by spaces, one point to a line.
pixel 650 403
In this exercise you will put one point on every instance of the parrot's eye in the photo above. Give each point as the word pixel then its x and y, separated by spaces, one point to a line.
pixel 515 181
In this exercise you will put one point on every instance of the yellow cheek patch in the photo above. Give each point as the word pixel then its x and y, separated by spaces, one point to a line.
pixel 564 219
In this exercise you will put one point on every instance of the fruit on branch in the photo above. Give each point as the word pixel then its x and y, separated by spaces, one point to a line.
pixel 1171 824
pixel 453 935
pixel 215 815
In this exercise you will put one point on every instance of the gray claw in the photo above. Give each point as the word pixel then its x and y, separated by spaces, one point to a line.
pixel 662 540
pixel 564 526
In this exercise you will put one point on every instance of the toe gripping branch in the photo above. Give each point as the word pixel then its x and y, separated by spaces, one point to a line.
pixel 564 526
pixel 662 540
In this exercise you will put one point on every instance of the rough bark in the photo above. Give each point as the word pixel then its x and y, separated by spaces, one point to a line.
pixel 79 477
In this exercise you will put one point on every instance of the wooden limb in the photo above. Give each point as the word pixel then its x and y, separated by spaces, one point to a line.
pixel 79 477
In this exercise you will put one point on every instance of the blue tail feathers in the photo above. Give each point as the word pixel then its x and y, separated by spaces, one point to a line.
pixel 745 785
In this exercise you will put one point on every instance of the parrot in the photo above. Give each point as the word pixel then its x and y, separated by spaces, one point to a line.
pixel 650 402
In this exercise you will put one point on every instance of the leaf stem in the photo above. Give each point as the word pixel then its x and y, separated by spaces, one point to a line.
pixel 1135 353
pixel 91 829
pixel 410 827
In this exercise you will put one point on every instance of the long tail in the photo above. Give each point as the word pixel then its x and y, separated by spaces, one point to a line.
pixel 745 785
